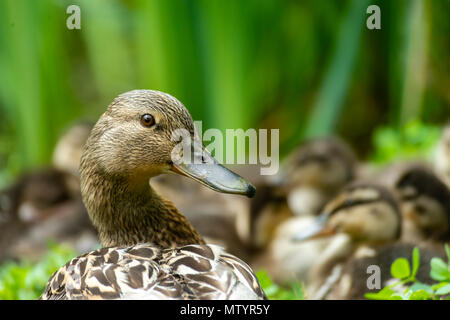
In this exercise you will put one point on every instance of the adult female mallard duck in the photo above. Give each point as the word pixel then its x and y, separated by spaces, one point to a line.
pixel 150 250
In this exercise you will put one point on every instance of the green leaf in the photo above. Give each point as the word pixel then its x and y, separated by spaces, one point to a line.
pixel 420 295
pixel 415 261
pixel 438 285
pixel 384 294
pixel 443 290
pixel 447 250
pixel 439 270
pixel 421 286
pixel 400 268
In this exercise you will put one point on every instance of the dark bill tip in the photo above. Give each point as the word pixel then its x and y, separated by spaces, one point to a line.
pixel 251 191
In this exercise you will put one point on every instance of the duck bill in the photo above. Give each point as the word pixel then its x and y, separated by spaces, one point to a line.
pixel 215 176
pixel 318 229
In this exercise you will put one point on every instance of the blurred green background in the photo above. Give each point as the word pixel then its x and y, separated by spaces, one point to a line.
pixel 307 67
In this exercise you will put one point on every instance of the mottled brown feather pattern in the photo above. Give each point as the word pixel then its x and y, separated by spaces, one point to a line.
pixel 146 272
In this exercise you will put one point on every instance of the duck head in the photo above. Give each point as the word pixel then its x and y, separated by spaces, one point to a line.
pixel 367 213
pixel 143 133
pixel 425 205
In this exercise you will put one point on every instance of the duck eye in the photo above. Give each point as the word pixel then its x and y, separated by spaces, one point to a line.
pixel 147 120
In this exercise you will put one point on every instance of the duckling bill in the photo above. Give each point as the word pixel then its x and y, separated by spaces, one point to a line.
pixel 356 210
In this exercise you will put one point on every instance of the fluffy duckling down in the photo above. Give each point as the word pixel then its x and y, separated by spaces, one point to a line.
pixel 361 217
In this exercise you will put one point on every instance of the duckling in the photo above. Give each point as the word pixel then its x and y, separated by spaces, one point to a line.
pixel 150 250
pixel 42 205
pixel 312 174
pixel 266 211
pixel 352 283
pixel 67 152
pixel 425 206
pixel 315 172
pixel 442 155
pixel 362 216
pixel 418 188
pixel 46 204
pixel 280 257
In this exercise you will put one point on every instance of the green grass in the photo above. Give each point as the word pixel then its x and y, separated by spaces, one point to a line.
pixel 275 292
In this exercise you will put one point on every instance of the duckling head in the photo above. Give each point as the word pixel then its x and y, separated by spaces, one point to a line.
pixel 315 172
pixel 323 163
pixel 366 213
pixel 140 136
pixel 41 194
pixel 68 149
pixel 425 205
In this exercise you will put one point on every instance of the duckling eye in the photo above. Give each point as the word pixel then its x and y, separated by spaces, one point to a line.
pixel 147 120
pixel 420 209
pixel 348 203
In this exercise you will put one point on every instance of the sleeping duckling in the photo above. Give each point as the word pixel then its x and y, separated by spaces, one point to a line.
pixel 307 179
pixel 315 172
pixel 150 250
pixel 362 216
pixel 266 211
pixel 42 205
pixel 310 176
pixel 46 204
pixel 425 206
pixel 284 260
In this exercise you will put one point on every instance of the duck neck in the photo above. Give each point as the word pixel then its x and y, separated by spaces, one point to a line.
pixel 129 212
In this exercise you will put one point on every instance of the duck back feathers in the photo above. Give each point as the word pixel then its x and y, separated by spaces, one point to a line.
pixel 147 272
